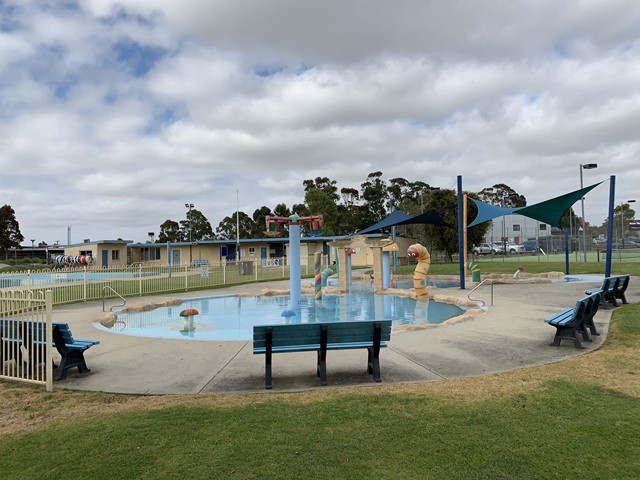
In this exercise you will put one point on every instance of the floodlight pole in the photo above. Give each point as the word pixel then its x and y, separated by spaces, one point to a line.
pixel 586 166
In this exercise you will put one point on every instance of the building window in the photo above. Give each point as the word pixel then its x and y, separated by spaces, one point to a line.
pixel 543 226
pixel 516 228
pixel 115 254
pixel 252 251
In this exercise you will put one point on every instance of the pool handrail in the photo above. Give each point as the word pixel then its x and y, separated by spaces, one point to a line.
pixel 107 287
pixel 486 280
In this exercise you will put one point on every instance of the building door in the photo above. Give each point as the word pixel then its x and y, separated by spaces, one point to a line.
pixel 176 257
pixel 105 258
pixel 263 252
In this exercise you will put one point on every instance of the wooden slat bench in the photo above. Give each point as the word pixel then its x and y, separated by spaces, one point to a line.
pixel 572 322
pixel 321 337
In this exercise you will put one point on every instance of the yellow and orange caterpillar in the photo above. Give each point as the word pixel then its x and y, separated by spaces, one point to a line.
pixel 421 254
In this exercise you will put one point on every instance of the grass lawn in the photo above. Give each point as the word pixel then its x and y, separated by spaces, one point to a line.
pixel 577 419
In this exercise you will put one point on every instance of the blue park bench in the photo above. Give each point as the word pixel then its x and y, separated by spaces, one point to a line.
pixel 321 337
pixel 29 337
pixel 611 290
pixel 572 322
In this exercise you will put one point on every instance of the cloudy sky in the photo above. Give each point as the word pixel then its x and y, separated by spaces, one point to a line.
pixel 114 114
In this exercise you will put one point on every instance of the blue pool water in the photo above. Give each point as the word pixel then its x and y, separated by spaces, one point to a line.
pixel 233 318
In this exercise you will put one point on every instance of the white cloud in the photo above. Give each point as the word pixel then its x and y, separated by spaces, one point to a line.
pixel 114 114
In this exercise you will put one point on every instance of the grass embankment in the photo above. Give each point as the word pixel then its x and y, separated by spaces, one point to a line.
pixel 576 419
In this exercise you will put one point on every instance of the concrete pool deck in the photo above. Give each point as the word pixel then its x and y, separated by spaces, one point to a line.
pixel 512 334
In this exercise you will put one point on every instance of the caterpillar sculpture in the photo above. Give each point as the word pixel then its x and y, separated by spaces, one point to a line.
pixel 421 254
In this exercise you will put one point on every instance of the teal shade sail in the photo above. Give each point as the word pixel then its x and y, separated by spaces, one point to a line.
pixel 549 211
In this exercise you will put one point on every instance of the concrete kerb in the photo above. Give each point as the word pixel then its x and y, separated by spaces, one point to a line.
pixel 510 335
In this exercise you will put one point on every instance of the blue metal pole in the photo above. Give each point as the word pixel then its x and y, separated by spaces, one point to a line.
pixel 294 265
pixel 386 272
pixel 612 198
pixel 566 251
pixel 460 233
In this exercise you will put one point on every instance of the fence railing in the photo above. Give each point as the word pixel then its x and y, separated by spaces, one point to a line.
pixel 26 347
pixel 70 285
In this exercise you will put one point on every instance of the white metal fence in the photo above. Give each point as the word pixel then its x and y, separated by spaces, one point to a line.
pixel 26 347
pixel 71 285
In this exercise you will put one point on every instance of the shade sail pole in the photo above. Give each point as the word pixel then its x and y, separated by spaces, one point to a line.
pixel 612 196
pixel 460 234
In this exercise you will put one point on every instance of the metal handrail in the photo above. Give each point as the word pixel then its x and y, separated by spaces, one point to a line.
pixel 107 287
pixel 486 280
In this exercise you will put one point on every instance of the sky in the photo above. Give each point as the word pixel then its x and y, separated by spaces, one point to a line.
pixel 115 114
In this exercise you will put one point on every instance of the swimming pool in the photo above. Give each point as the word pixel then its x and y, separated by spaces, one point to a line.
pixel 233 318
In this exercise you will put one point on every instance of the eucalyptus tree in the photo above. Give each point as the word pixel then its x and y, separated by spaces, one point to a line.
pixel 196 227
pixel 228 228
pixel 503 196
pixel 10 236
pixel 259 225
pixel 169 232
pixel 374 195
pixel 445 239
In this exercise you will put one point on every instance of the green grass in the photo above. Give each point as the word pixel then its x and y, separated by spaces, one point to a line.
pixel 563 427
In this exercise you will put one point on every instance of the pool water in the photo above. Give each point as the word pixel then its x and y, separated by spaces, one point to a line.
pixel 233 318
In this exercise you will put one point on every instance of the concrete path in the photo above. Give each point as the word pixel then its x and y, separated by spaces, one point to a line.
pixel 512 334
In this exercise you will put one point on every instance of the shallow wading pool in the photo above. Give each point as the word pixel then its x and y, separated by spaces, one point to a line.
pixel 232 318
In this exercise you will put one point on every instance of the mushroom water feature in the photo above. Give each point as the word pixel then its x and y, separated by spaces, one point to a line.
pixel 189 327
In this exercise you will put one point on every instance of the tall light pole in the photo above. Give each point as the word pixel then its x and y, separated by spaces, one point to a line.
pixel 622 221
pixel 586 166
pixel 190 206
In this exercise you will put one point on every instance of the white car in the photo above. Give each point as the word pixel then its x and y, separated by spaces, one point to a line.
pixel 513 248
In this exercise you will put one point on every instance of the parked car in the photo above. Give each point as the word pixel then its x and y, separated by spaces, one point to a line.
pixel 482 249
pixel 531 246
pixel 497 248
pixel 514 248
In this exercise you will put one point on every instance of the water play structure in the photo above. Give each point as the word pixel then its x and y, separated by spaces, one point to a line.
pixel 294 221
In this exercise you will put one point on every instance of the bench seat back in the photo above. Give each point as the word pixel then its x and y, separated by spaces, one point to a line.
pixel 307 336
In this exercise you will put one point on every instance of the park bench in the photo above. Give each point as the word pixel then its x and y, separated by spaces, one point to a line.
pixel 619 292
pixel 23 341
pixel 575 321
pixel 71 350
pixel 611 289
pixel 321 337
pixel 18 339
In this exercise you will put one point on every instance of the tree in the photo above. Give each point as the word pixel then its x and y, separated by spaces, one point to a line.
pixel 319 203
pixel 227 228
pixel 348 212
pixel 622 215
pixel 10 236
pixel 196 227
pixel 374 194
pixel 281 210
pixel 445 239
pixel 259 225
pixel 324 184
pixel 169 232
pixel 503 196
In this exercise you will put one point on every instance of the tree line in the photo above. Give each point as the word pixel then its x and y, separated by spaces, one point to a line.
pixel 346 211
